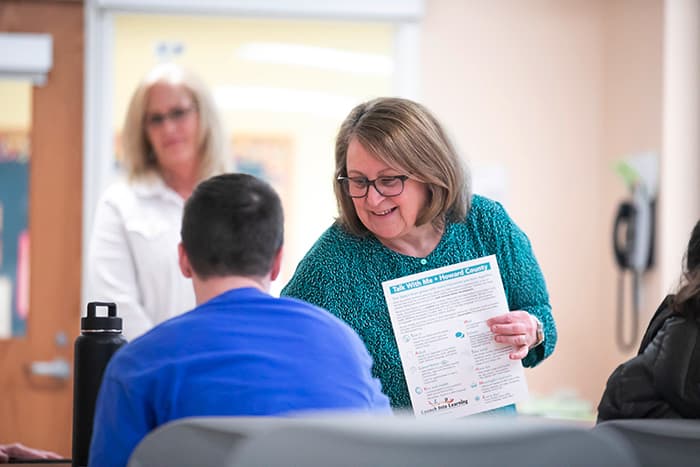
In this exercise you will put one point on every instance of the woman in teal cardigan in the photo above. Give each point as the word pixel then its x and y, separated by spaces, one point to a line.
pixel 405 206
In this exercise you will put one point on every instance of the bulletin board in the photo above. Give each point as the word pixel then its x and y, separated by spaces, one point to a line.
pixel 14 235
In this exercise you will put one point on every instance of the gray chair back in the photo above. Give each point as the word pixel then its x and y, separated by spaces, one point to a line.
pixel 344 440
pixel 197 441
pixel 658 441
pixel 401 442
pixel 210 441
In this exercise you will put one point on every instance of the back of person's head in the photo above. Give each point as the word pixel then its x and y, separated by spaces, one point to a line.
pixel 138 158
pixel 232 225
pixel 687 298
pixel 405 136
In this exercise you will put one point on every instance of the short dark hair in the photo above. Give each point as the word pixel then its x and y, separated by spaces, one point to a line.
pixel 232 224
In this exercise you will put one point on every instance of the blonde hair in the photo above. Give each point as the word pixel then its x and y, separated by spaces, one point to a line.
pixel 138 157
pixel 407 137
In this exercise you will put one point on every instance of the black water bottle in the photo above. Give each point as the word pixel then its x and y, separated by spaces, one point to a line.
pixel 100 337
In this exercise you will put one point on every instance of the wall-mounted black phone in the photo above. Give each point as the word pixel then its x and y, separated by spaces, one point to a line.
pixel 633 244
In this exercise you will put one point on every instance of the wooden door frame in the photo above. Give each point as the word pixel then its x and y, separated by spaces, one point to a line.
pixel 38 410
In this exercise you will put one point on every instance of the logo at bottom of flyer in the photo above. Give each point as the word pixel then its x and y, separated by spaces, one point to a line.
pixel 446 403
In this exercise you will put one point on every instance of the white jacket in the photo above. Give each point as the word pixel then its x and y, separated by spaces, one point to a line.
pixel 132 256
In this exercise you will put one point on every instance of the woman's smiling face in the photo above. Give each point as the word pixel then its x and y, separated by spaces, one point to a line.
pixel 390 219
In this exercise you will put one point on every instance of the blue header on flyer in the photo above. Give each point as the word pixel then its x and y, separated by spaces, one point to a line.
pixel 442 277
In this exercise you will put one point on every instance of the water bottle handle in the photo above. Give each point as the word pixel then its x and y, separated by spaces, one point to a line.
pixel 92 309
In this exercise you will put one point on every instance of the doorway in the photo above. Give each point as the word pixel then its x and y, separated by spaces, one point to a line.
pixel 281 114
pixel 35 376
pixel 282 87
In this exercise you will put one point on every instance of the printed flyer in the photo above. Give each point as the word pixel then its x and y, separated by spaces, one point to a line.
pixel 452 363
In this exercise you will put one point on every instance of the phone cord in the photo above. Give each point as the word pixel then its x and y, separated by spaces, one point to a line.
pixel 622 344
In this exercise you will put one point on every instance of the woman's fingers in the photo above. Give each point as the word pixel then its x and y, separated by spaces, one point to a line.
pixel 516 328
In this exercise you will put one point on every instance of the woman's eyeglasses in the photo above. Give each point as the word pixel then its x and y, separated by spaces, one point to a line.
pixel 175 115
pixel 358 187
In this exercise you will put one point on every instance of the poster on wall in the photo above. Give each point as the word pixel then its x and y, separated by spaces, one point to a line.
pixel 14 235
pixel 266 156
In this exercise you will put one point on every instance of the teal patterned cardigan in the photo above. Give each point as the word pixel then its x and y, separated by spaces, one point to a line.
pixel 343 273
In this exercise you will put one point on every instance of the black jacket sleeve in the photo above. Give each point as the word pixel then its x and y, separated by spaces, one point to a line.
pixel 676 370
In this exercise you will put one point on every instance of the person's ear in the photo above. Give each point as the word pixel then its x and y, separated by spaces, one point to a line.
pixel 184 261
pixel 276 265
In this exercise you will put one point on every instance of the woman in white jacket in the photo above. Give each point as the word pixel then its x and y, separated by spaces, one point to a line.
pixel 172 139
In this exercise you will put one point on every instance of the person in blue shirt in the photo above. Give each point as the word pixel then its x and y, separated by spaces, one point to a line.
pixel 240 351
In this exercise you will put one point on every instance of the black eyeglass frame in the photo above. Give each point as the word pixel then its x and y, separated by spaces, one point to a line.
pixel 345 183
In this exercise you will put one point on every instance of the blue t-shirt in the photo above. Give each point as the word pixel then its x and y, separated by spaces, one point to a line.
pixel 242 353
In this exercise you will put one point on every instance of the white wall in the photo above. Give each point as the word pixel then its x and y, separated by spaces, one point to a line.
pixel 680 172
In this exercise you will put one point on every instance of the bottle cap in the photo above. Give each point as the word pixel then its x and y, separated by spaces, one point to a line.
pixel 93 323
